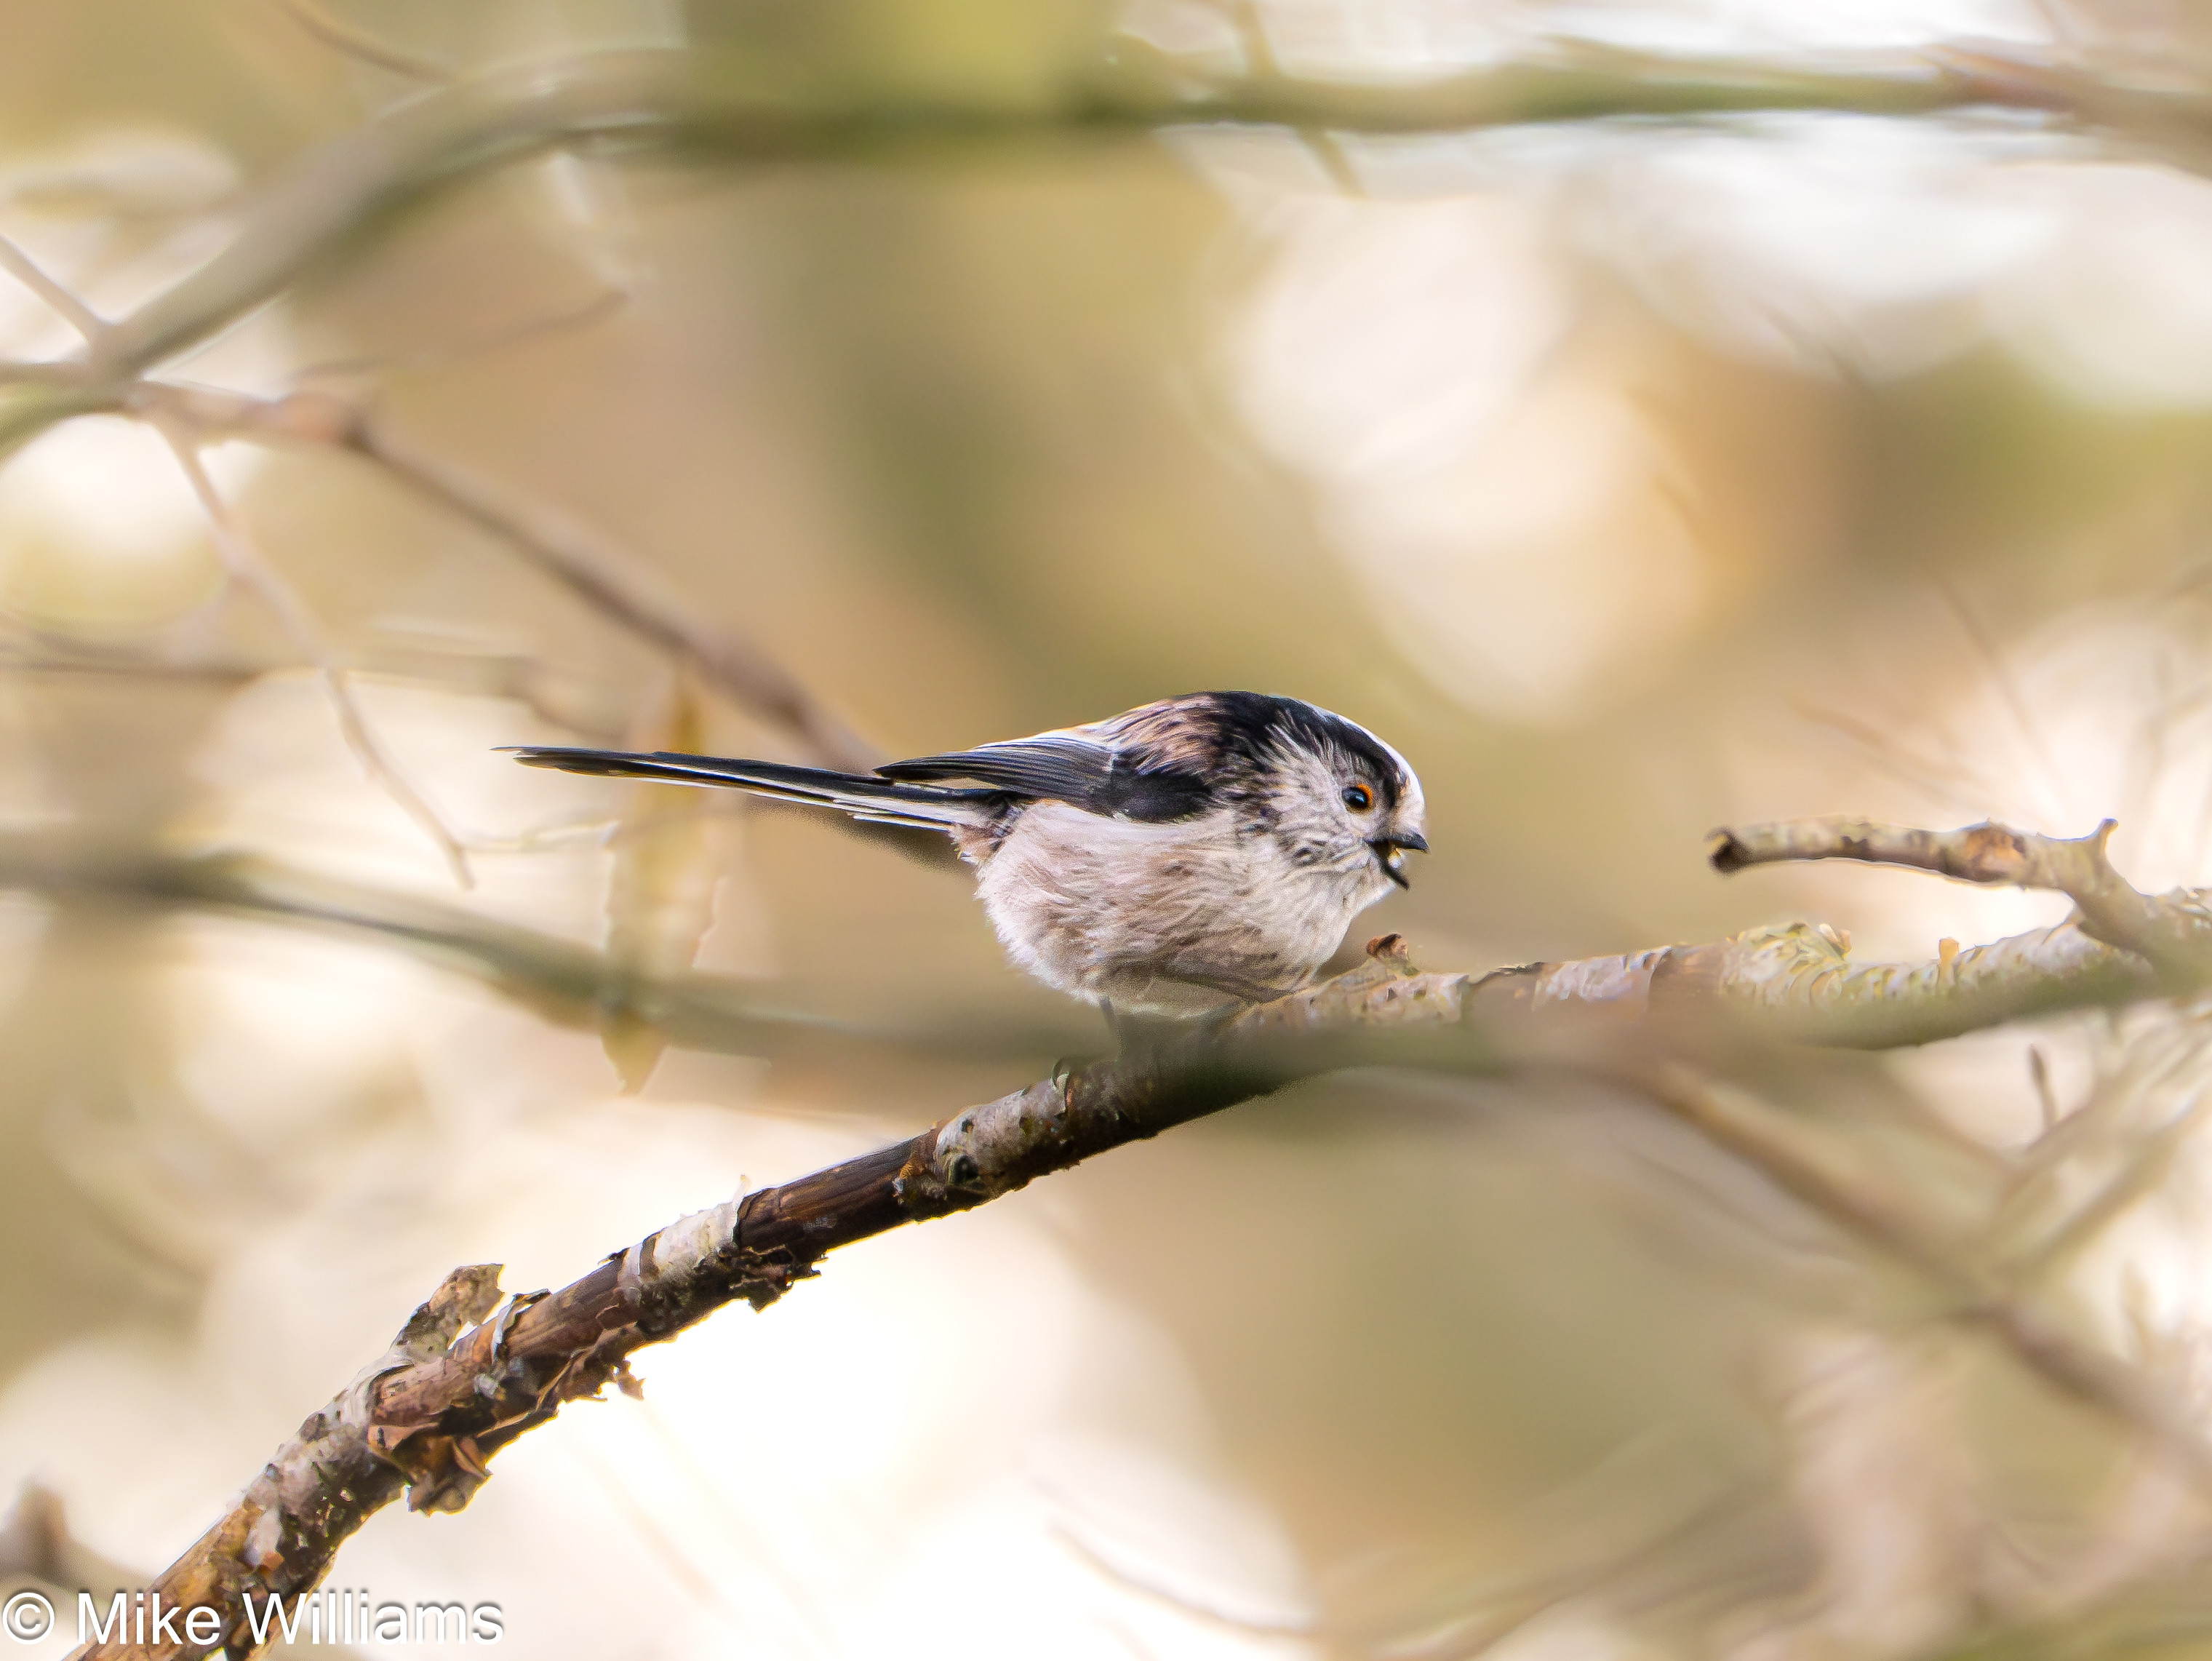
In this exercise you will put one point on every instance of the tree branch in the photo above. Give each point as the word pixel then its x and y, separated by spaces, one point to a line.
pixel 88 324
pixel 562 982
pixel 2174 934
pixel 427 1415
pixel 699 100
pixel 598 571
pixel 606 578
pixel 243 563
pixel 1765 1139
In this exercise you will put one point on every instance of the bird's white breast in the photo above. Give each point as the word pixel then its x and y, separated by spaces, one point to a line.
pixel 1166 919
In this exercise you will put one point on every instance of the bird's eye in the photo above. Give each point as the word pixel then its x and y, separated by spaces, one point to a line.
pixel 1358 798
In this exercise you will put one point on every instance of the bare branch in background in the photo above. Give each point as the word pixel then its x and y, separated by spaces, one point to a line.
pixel 595 310
pixel 572 701
pixel 1764 1138
pixel 564 982
pixel 600 572
pixel 73 310
pixel 249 570
pixel 36 1543
pixel 685 100
pixel 355 43
pixel 606 578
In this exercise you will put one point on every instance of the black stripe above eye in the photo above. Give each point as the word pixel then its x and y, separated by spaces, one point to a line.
pixel 1252 722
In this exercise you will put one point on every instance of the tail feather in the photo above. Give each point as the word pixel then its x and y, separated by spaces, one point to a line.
pixel 864 796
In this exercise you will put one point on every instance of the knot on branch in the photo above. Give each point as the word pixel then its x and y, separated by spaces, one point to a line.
pixel 992 1150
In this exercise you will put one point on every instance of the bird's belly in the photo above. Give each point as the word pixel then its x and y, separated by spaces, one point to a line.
pixel 1168 919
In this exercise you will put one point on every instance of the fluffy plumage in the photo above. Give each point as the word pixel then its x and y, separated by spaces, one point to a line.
pixel 1207 847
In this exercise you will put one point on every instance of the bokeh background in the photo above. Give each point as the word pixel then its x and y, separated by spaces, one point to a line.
pixel 1631 476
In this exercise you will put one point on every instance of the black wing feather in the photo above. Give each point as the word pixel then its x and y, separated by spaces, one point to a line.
pixel 1052 767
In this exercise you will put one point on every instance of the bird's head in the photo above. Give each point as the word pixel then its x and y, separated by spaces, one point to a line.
pixel 1334 795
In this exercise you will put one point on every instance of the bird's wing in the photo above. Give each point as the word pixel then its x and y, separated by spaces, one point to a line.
pixel 1073 769
pixel 864 796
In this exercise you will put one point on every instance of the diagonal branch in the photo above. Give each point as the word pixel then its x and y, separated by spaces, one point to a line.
pixel 87 323
pixel 598 570
pixel 606 578
pixel 1765 1139
pixel 427 1416
pixel 561 982
pixel 247 568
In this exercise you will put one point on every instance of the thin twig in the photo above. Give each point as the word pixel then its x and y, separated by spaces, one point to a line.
pixel 594 310
pixel 248 569
pixel 601 572
pixel 559 980
pixel 2046 1101
pixel 1764 1138
pixel 25 271
pixel 2146 1165
pixel 608 579
pixel 1951 783
pixel 357 43
pixel 2009 692
pixel 1120 1574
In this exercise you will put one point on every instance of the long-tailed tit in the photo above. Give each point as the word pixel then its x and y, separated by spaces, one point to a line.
pixel 1204 847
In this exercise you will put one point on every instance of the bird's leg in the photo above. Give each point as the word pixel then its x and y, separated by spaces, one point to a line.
pixel 1136 1033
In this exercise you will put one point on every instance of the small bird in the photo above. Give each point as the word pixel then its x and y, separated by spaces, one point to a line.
pixel 1161 863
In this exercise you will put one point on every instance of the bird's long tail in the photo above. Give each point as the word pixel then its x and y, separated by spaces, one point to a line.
pixel 864 796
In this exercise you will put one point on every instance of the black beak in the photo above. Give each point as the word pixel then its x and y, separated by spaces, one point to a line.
pixel 1389 853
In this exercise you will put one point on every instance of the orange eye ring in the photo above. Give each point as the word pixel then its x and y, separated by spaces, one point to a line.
pixel 1358 798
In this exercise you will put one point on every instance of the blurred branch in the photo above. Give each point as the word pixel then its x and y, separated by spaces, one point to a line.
pixel 36 1543
pixel 720 104
pixel 355 43
pixel 1853 1196
pixel 1793 983
pixel 603 576
pixel 243 563
pixel 73 311
pixel 569 984
pixel 695 100
pixel 566 699
pixel 599 307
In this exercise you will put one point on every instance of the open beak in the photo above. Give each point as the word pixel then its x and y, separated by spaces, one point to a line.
pixel 1390 852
